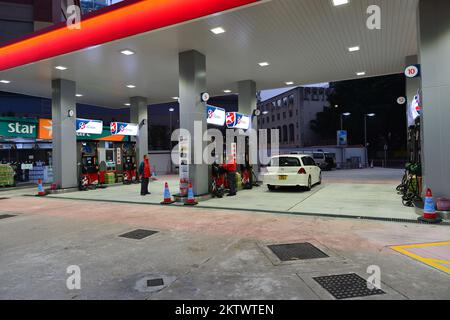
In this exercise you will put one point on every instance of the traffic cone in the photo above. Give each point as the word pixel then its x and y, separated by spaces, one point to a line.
pixel 190 200
pixel 167 196
pixel 429 211
pixel 41 191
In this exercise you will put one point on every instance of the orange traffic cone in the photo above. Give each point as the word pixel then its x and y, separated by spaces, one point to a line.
pixel 167 196
pixel 429 210
pixel 190 200
pixel 41 191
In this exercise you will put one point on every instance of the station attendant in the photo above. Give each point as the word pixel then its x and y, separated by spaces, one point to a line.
pixel 145 173
pixel 231 168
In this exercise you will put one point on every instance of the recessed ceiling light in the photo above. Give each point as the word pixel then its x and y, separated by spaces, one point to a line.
pixel 339 2
pixel 353 49
pixel 289 83
pixel 5 81
pixel 78 95
pixel 127 104
pixel 218 30
pixel 264 64
pixel 131 86
pixel 227 91
pixel 127 52
pixel 175 98
pixel 362 73
pixel 61 68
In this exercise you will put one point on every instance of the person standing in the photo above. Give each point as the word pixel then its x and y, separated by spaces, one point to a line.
pixel 231 168
pixel 145 173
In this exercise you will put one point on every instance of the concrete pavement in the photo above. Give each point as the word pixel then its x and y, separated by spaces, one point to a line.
pixel 199 253
pixel 358 193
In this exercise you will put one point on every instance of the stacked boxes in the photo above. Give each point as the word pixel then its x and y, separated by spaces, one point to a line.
pixel 6 175
pixel 110 178
pixel 36 174
pixel 48 174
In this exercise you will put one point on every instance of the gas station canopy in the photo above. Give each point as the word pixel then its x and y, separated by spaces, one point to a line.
pixel 303 41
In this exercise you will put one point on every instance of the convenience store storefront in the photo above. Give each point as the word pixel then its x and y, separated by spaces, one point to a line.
pixel 26 149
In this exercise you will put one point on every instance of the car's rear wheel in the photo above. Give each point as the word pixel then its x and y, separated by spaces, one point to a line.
pixel 270 187
pixel 309 187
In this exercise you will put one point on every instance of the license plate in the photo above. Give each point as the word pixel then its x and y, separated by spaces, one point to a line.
pixel 283 178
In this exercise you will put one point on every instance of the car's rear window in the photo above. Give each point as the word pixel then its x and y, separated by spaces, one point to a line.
pixel 285 162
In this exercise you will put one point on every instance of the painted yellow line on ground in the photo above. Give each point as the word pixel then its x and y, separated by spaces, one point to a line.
pixel 435 263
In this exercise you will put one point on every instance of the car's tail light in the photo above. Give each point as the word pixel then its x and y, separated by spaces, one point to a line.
pixel 302 171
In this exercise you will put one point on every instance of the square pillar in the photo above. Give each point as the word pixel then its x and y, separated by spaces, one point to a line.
pixel 139 115
pixel 247 103
pixel 192 83
pixel 434 53
pixel 64 133
pixel 247 99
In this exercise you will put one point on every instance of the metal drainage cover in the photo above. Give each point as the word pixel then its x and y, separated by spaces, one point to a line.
pixel 138 234
pixel 345 286
pixel 4 216
pixel 297 251
pixel 155 282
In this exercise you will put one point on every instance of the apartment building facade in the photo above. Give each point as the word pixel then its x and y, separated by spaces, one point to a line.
pixel 291 113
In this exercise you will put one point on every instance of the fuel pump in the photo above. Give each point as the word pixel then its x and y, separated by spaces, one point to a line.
pixel 129 163
pixel 89 168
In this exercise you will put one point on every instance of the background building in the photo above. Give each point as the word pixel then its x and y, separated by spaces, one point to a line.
pixel 291 113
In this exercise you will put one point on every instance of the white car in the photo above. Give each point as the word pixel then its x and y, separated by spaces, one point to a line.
pixel 292 171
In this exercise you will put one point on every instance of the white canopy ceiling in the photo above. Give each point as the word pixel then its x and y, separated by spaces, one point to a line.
pixel 305 41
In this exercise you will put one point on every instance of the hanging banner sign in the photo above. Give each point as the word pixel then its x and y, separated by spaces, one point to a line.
pixel 215 116
pixel 125 129
pixel 235 120
pixel 89 126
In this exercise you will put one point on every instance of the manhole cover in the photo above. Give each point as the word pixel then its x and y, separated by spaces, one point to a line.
pixel 4 216
pixel 155 282
pixel 138 234
pixel 345 286
pixel 297 251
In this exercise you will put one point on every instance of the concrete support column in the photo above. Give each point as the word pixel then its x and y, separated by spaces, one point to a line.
pixel 139 115
pixel 192 83
pixel 434 53
pixel 412 84
pixel 247 99
pixel 64 133
pixel 247 103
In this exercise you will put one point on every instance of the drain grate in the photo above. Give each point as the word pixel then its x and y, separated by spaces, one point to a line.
pixel 5 216
pixel 297 251
pixel 155 282
pixel 345 286
pixel 138 234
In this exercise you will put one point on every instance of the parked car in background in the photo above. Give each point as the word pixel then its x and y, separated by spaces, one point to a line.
pixel 292 171
pixel 326 161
